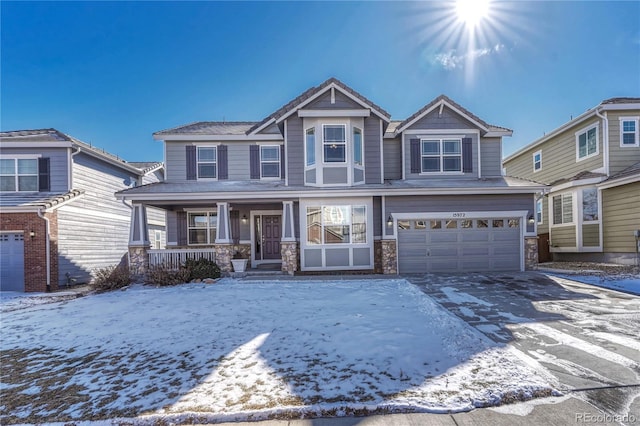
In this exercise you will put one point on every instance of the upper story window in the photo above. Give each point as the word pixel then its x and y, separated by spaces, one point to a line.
pixel 270 161
pixel 207 162
pixel 19 174
pixel 587 143
pixel 537 161
pixel 357 147
pixel 539 214
pixel 202 227
pixel 334 143
pixel 310 144
pixel 562 209
pixel 629 134
pixel 441 155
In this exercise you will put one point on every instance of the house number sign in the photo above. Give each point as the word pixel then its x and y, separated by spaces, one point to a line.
pixel 459 215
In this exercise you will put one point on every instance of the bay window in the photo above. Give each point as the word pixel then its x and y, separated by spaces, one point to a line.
pixel 589 204
pixel 336 225
pixel 334 143
pixel 310 143
pixel 562 209
pixel 357 147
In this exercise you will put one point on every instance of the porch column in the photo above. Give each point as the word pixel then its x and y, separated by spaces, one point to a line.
pixel 288 244
pixel 224 242
pixel 138 242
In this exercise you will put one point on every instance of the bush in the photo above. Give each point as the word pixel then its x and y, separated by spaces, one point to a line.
pixel 111 278
pixel 164 276
pixel 202 268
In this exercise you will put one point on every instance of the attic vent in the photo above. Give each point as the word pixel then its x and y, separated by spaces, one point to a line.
pixel 441 108
pixel 333 95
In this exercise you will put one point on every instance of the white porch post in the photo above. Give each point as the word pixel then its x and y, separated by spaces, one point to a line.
pixel 223 235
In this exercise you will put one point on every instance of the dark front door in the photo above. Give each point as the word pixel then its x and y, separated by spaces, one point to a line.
pixel 271 237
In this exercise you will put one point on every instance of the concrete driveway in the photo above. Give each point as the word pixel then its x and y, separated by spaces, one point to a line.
pixel 586 337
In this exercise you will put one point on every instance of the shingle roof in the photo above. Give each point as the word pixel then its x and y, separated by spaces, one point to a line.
pixel 457 106
pixel 145 166
pixel 45 200
pixel 579 176
pixel 211 128
pixel 629 171
pixel 311 92
pixel 621 101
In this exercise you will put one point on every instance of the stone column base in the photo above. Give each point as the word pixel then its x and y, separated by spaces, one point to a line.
pixel 224 254
pixel 138 262
pixel 530 253
pixel 389 262
pixel 290 257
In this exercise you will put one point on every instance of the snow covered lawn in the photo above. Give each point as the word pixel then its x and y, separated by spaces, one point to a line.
pixel 237 350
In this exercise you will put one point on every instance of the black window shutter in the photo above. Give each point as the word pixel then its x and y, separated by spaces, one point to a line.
pixel 414 151
pixel 182 228
pixel 44 175
pixel 254 161
pixel 282 162
pixel 192 166
pixel 223 164
pixel 467 155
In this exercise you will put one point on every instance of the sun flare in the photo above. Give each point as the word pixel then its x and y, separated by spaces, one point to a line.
pixel 471 12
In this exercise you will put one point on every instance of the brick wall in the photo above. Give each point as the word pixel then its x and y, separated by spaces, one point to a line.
pixel 35 265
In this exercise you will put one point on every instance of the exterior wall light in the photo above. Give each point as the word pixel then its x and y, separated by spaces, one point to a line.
pixel 32 234
pixel 389 221
pixel 244 218
pixel 531 219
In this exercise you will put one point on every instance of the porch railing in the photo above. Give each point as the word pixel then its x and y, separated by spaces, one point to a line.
pixel 174 258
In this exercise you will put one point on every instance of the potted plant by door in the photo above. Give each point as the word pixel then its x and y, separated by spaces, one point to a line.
pixel 239 262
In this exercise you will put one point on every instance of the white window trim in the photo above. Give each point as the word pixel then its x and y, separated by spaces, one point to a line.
pixel 346 144
pixel 574 213
pixel 208 228
pixel 541 202
pixel 534 161
pixel 279 162
pixel 577 137
pixel 206 162
pixel 637 132
pixel 16 175
pixel 441 155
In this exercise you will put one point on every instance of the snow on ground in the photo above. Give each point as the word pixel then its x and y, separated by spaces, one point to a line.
pixel 234 351
pixel 627 283
pixel 13 300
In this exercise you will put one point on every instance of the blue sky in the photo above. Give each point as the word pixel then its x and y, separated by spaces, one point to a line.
pixel 113 73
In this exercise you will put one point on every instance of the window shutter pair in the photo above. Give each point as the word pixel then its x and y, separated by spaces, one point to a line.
pixel 44 175
pixel 192 162
pixel 467 155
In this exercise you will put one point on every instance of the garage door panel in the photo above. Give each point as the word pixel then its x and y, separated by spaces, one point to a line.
pixel 460 249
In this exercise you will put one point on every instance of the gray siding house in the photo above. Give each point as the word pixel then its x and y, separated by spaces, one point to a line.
pixel 58 213
pixel 592 166
pixel 329 182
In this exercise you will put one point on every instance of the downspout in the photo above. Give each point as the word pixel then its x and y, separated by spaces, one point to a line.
pixel 73 154
pixel 47 247
pixel 605 141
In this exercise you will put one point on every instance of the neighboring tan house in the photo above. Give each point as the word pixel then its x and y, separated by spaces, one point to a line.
pixel 59 218
pixel 329 182
pixel 592 165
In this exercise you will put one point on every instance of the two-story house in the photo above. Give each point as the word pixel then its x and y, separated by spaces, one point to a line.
pixel 592 166
pixel 329 182
pixel 59 218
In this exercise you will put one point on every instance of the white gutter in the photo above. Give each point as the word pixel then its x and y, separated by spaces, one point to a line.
pixel 47 247
pixel 605 140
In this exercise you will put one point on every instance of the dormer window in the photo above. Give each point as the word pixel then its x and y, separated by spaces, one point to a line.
pixel 19 174
pixel 334 143
pixel 207 162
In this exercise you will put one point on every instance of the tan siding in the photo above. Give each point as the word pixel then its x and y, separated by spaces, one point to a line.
pixel 564 236
pixel 591 235
pixel 558 157
pixel 621 216
pixel 620 157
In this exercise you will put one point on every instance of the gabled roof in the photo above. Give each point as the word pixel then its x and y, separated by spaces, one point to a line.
pixel 622 103
pixel 53 136
pixel 445 100
pixel 211 127
pixel 21 201
pixel 313 93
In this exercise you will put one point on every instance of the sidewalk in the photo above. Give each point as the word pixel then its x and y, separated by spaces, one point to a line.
pixel 561 411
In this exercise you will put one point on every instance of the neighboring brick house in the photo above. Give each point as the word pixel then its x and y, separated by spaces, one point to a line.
pixel 592 166
pixel 59 218
pixel 330 183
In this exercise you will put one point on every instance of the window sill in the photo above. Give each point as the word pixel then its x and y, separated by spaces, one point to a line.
pixel 586 157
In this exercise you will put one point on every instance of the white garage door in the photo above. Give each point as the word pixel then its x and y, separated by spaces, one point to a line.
pixel 12 262
pixel 458 245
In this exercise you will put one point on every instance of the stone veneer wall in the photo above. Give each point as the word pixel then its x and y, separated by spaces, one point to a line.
pixel 290 256
pixel 224 254
pixel 388 258
pixel 138 262
pixel 530 253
